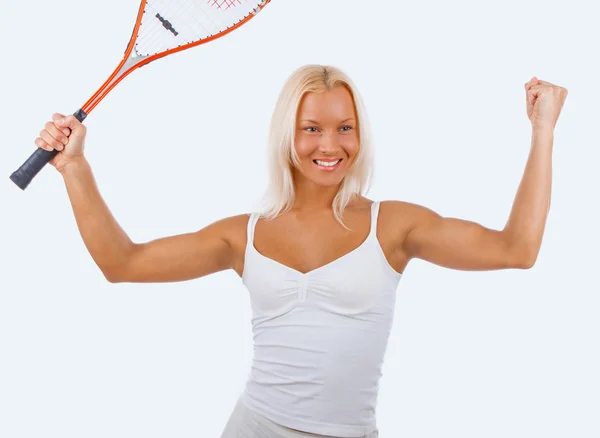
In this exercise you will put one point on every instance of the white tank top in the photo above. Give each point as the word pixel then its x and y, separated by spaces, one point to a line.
pixel 320 337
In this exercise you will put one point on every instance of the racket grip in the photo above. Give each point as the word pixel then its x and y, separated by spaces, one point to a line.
pixel 36 162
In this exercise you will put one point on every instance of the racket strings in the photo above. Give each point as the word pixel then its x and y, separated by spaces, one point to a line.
pixel 184 11
pixel 223 3
pixel 168 24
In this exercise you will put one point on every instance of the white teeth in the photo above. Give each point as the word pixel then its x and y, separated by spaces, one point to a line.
pixel 327 164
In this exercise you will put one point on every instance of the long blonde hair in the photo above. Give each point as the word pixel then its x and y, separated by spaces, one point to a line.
pixel 280 194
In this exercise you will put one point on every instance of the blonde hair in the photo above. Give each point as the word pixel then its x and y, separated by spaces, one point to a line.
pixel 280 194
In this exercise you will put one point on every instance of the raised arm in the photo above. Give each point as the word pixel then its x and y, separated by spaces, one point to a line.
pixel 466 245
pixel 458 244
pixel 169 259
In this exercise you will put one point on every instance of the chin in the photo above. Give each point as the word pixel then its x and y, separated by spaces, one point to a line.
pixel 328 182
pixel 323 179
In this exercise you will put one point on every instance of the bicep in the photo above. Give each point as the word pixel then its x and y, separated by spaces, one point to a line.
pixel 457 243
pixel 179 258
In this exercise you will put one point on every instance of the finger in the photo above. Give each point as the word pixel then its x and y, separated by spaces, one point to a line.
pixel 40 143
pixel 532 81
pixel 533 85
pixel 51 141
pixel 56 133
pixel 56 117
pixel 537 89
pixel 70 122
pixel 546 83
pixel 531 96
pixel 531 92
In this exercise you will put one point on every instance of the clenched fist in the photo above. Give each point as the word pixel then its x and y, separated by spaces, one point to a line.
pixel 544 103
pixel 65 134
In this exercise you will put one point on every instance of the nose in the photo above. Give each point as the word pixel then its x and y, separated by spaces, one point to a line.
pixel 329 143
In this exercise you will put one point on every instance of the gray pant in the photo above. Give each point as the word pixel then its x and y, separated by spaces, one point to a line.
pixel 245 423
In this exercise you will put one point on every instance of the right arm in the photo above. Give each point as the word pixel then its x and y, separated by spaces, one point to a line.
pixel 168 259
pixel 176 258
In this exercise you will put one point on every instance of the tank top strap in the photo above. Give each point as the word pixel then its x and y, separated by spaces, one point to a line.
pixel 374 215
pixel 251 225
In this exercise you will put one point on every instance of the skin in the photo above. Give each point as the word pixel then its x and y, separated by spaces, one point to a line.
pixel 404 230
pixel 327 129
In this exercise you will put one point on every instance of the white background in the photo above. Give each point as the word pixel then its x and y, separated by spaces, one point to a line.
pixel 182 143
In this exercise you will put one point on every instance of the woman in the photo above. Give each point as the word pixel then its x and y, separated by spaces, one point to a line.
pixel 321 262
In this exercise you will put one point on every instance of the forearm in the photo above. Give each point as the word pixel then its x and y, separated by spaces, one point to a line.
pixel 527 221
pixel 106 241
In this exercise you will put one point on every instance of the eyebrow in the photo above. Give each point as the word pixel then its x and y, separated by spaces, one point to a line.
pixel 313 121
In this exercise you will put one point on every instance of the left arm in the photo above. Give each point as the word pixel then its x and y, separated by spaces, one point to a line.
pixel 465 245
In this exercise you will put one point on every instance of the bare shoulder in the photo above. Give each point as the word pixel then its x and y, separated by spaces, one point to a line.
pixel 232 229
pixel 408 214
pixel 398 218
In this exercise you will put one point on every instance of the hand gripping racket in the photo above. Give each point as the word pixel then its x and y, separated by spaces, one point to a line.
pixel 162 27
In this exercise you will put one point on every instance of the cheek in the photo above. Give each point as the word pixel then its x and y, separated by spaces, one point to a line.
pixel 351 146
pixel 304 147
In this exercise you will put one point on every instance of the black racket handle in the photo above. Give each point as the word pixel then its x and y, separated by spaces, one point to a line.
pixel 36 162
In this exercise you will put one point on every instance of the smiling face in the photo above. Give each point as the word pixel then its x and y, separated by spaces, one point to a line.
pixel 326 134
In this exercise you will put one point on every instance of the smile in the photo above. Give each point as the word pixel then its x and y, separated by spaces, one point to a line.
pixel 327 165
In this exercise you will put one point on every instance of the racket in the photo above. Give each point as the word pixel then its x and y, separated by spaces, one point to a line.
pixel 162 27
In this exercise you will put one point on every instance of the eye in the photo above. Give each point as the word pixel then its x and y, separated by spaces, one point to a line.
pixel 309 129
pixel 346 128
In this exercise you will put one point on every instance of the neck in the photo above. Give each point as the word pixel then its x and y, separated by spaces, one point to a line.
pixel 312 198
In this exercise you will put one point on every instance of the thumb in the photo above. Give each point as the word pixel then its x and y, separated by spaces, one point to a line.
pixel 69 122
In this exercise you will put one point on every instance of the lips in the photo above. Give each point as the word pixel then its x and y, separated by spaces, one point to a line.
pixel 330 167
pixel 327 161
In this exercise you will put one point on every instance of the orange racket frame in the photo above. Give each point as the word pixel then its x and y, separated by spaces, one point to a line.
pixel 23 176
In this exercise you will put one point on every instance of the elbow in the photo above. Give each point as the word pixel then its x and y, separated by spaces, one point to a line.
pixel 112 276
pixel 530 262
pixel 119 272
pixel 526 264
pixel 522 258
pixel 525 260
pixel 520 254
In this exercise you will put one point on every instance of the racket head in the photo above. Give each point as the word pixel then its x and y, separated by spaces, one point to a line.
pixel 164 27
pixel 169 24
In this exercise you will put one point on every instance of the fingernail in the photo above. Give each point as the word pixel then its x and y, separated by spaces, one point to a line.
pixel 66 132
